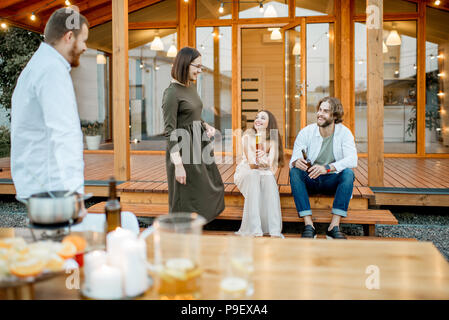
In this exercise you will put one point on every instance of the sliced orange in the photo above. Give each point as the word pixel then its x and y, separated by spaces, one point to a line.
pixel 68 250
pixel 29 268
pixel 79 242
pixel 55 263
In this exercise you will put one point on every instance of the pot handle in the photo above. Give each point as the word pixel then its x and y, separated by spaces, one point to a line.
pixel 85 196
pixel 23 200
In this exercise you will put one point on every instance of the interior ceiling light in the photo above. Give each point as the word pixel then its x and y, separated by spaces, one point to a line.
pixel 276 34
pixel 393 38
pixel 157 44
pixel 270 12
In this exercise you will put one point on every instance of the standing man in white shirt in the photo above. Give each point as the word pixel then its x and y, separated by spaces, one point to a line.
pixel 46 137
pixel 330 148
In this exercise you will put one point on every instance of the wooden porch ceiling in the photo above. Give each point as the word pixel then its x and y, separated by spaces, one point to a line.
pixel 17 12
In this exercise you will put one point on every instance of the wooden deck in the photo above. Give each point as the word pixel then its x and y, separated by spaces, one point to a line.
pixel 407 181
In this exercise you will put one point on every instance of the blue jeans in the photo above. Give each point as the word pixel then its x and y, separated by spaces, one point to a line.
pixel 338 184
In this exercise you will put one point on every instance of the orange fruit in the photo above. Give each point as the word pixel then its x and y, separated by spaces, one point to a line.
pixel 56 263
pixel 79 242
pixel 28 268
pixel 68 250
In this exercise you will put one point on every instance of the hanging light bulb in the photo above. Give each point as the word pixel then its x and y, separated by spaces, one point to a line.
pixel 172 51
pixel 3 25
pixel 101 59
pixel 297 49
pixel 33 17
pixel 202 47
pixel 314 47
pixel 437 2
pixel 276 34
pixel 270 12
pixel 157 44
pixel 141 65
pixel 393 38
pixel 261 7
pixel 384 47
pixel 67 3
pixel 221 9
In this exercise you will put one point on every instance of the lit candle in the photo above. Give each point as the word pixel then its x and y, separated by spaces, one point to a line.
pixel 92 261
pixel 134 267
pixel 106 283
pixel 115 238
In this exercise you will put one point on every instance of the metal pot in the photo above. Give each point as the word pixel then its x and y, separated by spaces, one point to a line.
pixel 46 208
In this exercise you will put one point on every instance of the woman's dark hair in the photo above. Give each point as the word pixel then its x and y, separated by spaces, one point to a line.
pixel 336 108
pixel 272 125
pixel 180 69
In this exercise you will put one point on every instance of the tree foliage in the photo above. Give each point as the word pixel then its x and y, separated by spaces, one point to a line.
pixel 17 46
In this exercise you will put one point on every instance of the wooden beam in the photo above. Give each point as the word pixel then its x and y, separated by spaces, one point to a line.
pixel 8 3
pixel 303 76
pixel 346 91
pixel 236 84
pixel 375 89
pixel 152 25
pixel 217 102
pixel 120 89
pixel 183 21
pixel 421 82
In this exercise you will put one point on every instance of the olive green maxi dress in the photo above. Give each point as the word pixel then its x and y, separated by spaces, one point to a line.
pixel 204 191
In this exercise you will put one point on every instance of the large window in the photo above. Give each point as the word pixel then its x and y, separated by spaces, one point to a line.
pixel 399 55
pixel 214 84
pixel 151 55
pixel 91 84
pixel 437 75
pixel 320 65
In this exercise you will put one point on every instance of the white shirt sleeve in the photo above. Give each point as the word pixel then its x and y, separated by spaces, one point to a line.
pixel 55 93
pixel 300 144
pixel 349 159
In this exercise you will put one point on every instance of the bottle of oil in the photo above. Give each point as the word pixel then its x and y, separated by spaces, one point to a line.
pixel 309 163
pixel 113 208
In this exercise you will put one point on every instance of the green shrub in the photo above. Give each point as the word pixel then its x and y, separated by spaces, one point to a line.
pixel 5 142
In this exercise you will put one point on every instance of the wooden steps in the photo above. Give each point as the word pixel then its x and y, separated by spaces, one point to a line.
pixel 320 236
pixel 367 218
pixel 156 192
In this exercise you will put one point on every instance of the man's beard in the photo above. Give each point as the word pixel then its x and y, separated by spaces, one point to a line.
pixel 325 123
pixel 75 56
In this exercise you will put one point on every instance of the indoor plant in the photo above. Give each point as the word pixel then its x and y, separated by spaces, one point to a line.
pixel 92 131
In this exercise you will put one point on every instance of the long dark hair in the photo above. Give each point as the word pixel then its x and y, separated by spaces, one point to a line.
pixel 181 65
pixel 272 125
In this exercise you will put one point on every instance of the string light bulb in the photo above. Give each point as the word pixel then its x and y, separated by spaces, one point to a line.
pixel 221 9
pixel 261 7
pixel 3 25
pixel 67 3
pixel 314 47
pixel 437 2
pixel 33 17
pixel 440 56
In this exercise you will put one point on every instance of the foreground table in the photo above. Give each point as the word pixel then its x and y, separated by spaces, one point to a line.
pixel 316 269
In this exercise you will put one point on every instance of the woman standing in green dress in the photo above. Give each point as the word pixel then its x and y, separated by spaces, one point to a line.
pixel 194 185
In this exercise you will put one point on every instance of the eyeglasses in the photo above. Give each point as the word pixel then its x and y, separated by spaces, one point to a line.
pixel 198 66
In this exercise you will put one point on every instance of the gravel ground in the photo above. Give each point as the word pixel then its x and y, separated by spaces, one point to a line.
pixel 421 223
